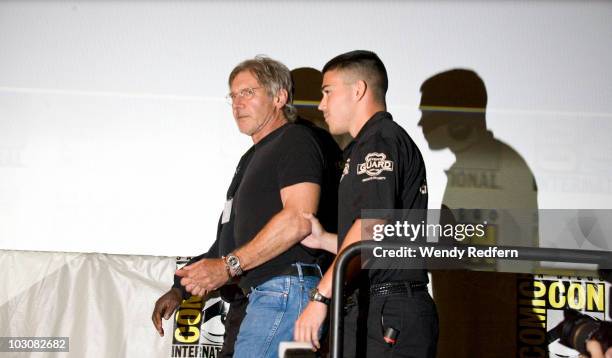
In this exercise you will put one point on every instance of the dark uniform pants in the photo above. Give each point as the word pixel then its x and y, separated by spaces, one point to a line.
pixel 413 315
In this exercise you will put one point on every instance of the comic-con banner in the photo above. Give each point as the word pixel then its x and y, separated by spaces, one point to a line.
pixel 541 303
pixel 198 325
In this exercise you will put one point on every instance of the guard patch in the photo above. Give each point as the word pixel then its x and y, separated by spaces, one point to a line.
pixel 375 164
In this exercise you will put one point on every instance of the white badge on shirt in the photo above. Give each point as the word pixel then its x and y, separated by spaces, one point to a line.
pixel 374 165
pixel 227 211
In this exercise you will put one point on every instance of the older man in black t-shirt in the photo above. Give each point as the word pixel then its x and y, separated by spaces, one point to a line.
pixel 393 314
pixel 292 169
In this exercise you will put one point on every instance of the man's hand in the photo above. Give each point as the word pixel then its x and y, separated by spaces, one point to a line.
pixel 318 237
pixel 316 234
pixel 165 307
pixel 203 276
pixel 308 324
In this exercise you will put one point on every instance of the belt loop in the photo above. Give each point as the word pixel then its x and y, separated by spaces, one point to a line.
pixel 299 270
pixel 409 289
pixel 319 268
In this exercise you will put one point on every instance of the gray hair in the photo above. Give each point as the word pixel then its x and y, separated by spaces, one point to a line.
pixel 273 76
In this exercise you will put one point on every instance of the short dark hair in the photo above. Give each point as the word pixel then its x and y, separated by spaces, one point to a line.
pixel 367 65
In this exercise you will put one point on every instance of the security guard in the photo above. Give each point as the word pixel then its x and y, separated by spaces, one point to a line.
pixel 392 313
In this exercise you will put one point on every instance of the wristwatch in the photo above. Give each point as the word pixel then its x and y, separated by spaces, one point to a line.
pixel 232 262
pixel 316 296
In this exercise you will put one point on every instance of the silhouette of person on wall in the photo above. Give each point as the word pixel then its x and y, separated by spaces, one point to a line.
pixel 478 310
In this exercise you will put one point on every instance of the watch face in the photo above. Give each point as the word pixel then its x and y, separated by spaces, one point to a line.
pixel 232 260
pixel 312 294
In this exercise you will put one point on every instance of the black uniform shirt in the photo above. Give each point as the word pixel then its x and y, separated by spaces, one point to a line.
pixel 383 169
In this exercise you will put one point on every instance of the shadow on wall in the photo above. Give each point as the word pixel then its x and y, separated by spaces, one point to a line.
pixel 477 309
pixel 306 97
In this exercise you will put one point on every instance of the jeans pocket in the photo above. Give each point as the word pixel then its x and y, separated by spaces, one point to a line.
pixel 268 292
pixel 268 297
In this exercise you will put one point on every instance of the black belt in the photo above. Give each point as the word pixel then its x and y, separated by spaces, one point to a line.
pixel 292 270
pixel 396 288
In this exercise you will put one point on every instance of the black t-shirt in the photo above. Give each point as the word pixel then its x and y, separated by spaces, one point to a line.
pixel 292 154
pixel 383 169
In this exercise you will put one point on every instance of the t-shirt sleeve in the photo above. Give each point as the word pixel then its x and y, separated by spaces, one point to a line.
pixel 302 160
pixel 377 170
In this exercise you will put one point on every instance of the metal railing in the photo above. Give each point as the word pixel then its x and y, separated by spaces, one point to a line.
pixel 524 253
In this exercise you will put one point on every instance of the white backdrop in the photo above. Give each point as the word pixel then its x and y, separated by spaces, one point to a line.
pixel 114 135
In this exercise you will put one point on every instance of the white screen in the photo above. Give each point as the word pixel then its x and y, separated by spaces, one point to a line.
pixel 115 137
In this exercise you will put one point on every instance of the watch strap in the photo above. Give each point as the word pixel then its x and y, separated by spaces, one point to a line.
pixel 316 296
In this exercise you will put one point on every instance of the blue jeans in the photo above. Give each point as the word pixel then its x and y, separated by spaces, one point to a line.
pixel 273 308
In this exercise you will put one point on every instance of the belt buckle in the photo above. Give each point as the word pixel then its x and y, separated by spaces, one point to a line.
pixel 307 269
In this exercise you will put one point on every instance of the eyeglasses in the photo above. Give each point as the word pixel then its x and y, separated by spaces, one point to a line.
pixel 245 93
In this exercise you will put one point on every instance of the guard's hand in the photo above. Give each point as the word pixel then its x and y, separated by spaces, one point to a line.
pixel 203 276
pixel 316 232
pixel 308 324
pixel 165 307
